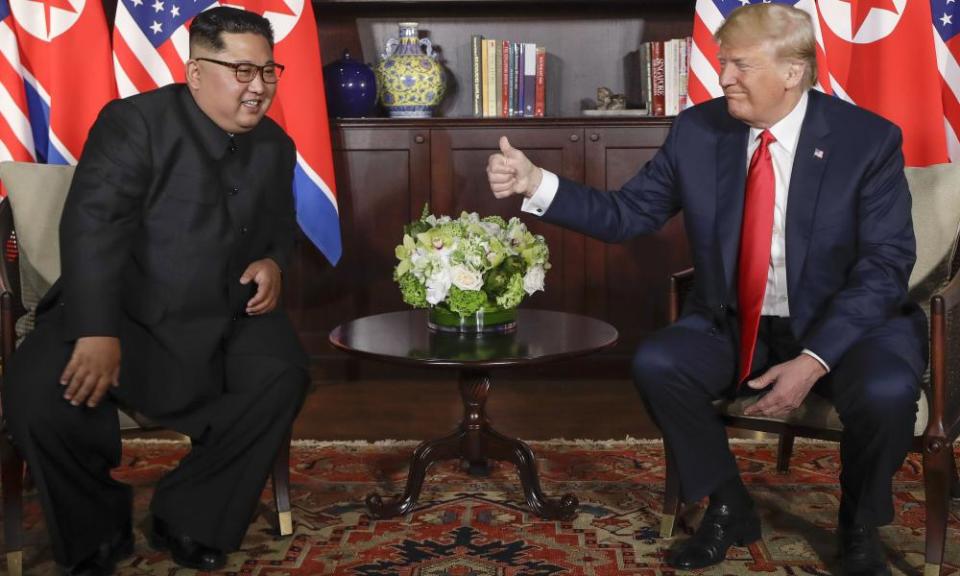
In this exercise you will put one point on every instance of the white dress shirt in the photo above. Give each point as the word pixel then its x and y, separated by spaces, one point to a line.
pixel 776 301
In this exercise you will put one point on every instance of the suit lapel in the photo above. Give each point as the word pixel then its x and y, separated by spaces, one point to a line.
pixel 813 153
pixel 731 183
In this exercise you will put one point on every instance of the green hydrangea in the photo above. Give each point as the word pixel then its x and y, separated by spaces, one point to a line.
pixel 513 292
pixel 414 292
pixel 465 302
pixel 495 220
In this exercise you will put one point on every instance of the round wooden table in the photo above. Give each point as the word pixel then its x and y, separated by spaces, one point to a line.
pixel 541 336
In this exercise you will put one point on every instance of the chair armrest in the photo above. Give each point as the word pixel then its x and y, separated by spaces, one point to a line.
pixel 681 284
pixel 944 424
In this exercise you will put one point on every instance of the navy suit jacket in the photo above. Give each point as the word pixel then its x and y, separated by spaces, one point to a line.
pixel 850 244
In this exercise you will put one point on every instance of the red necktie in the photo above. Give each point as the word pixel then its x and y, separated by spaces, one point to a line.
pixel 755 238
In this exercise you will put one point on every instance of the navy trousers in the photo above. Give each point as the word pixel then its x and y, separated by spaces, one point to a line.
pixel 682 369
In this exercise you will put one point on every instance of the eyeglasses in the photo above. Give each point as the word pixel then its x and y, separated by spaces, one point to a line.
pixel 269 73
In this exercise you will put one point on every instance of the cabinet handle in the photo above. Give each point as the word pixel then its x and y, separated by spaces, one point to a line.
pixel 594 137
pixel 574 138
pixel 419 139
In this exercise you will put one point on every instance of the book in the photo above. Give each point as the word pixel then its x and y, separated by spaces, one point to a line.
pixel 505 79
pixel 491 99
pixel 539 105
pixel 475 42
pixel 657 78
pixel 484 83
pixel 529 78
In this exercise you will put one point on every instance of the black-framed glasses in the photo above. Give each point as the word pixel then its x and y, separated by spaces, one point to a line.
pixel 246 72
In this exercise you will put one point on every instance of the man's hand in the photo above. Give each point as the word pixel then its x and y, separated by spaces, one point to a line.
pixel 791 382
pixel 511 172
pixel 266 274
pixel 93 368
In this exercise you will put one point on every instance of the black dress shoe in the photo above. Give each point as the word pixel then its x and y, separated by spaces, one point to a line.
pixel 184 550
pixel 720 528
pixel 861 552
pixel 104 561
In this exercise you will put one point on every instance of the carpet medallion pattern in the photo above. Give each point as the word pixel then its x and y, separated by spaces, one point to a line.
pixel 479 526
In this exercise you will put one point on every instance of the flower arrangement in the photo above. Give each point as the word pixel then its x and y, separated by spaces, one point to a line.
pixel 469 264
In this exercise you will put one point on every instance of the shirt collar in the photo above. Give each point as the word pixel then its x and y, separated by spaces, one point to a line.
pixel 787 130
pixel 215 139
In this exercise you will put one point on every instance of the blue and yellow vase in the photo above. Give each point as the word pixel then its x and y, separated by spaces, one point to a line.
pixel 411 82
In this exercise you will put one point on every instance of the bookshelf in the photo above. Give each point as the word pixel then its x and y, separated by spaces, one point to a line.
pixel 589 44
pixel 387 168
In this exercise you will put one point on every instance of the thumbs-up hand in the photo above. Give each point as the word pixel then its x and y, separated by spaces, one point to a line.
pixel 511 172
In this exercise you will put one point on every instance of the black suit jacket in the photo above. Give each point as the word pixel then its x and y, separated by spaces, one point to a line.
pixel 164 214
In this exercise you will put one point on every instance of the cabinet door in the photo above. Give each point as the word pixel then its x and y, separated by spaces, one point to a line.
pixel 627 283
pixel 459 182
pixel 382 184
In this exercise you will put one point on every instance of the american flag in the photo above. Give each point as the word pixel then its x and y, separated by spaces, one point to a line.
pixel 151 44
pixel 895 57
pixel 16 138
pixel 948 55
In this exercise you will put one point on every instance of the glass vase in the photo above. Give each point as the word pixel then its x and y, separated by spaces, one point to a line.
pixel 441 319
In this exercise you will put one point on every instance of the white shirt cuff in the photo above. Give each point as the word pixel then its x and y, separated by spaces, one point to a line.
pixel 817 358
pixel 542 199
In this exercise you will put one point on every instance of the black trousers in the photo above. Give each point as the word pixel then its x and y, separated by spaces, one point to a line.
pixel 211 495
pixel 682 369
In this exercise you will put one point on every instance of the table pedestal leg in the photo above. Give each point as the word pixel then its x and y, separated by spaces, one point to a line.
pixel 475 441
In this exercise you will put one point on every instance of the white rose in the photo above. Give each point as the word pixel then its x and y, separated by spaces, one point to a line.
pixel 438 285
pixel 533 279
pixel 465 278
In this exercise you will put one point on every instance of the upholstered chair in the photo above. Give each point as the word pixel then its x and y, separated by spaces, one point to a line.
pixel 935 284
pixel 30 264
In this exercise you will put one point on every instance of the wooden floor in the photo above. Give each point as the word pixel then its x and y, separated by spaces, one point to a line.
pixel 405 409
pixel 417 409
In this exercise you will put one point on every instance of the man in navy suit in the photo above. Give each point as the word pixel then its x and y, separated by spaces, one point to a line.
pixel 836 247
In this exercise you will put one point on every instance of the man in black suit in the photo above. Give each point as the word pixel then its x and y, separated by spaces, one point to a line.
pixel 176 228
pixel 789 297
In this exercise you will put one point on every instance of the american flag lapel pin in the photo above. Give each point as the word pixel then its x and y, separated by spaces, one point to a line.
pixel 818 153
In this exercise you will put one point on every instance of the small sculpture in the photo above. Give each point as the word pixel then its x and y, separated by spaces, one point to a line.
pixel 607 100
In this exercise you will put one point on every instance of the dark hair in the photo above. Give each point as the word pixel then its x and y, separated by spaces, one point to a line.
pixel 208 26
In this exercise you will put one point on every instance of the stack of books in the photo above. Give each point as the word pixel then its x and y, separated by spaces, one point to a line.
pixel 508 78
pixel 664 69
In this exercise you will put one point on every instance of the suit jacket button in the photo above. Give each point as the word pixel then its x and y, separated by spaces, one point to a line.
pixel 724 308
pixel 234 191
pixel 713 331
pixel 244 230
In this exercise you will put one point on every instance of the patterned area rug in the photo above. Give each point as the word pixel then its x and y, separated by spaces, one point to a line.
pixel 469 526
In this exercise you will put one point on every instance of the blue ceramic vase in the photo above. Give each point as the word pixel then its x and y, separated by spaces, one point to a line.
pixel 351 88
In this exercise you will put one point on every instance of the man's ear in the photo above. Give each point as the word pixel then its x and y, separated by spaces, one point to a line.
pixel 795 72
pixel 193 74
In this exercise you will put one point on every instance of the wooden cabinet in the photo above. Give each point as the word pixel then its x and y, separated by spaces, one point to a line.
pixel 387 170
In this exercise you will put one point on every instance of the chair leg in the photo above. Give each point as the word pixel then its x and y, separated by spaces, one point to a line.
pixel 671 497
pixel 784 451
pixel 281 488
pixel 955 477
pixel 11 475
pixel 936 477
